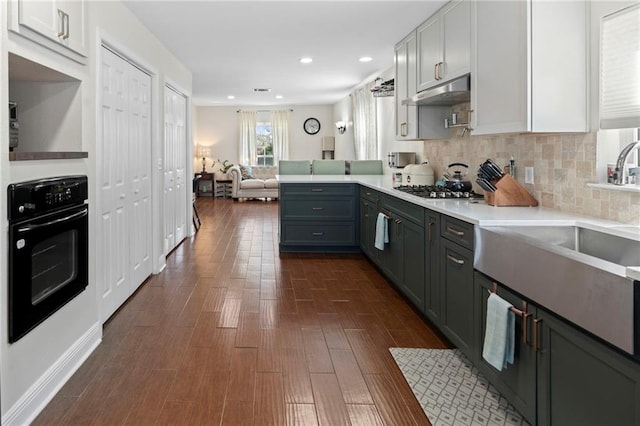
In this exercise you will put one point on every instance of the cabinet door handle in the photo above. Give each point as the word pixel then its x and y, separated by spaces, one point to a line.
pixel 60 22
pixel 66 27
pixel 430 226
pixel 317 189
pixel 317 208
pixel 453 231
pixel 435 72
pixel 536 323
pixel 403 129
pixel 440 64
pixel 317 234
pixel 455 260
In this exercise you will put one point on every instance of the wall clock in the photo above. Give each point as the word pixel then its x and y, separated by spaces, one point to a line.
pixel 311 126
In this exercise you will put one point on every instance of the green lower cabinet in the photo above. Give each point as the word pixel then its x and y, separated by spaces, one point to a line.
pixel 582 381
pixel 517 382
pixel 456 278
pixel 432 262
pixel 413 261
pixel 368 215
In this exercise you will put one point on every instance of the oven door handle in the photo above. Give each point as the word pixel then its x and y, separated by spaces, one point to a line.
pixel 53 222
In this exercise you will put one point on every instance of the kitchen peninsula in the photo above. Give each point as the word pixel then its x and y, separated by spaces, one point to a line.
pixel 437 257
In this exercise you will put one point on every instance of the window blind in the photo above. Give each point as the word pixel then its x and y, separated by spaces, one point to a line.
pixel 620 69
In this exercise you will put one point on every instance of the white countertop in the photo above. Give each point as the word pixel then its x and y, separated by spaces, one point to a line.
pixel 479 213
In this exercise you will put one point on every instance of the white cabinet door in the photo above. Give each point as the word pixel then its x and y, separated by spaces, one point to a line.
pixel 405 82
pixel 529 67
pixel 444 45
pixel 429 53
pixel 455 24
pixel 175 185
pixel 53 24
pixel 124 234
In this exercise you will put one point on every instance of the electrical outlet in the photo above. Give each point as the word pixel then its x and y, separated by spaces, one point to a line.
pixel 528 175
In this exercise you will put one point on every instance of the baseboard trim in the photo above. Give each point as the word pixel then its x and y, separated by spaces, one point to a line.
pixel 25 410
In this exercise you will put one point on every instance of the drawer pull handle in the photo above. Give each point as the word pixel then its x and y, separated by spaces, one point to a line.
pixel 317 208
pixel 317 234
pixel 450 230
pixel 317 189
pixel 455 260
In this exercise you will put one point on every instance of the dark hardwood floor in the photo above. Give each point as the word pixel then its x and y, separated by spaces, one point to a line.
pixel 233 333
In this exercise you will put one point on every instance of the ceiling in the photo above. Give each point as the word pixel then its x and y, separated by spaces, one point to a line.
pixel 233 47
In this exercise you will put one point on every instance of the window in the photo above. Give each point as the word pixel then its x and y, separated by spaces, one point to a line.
pixel 264 144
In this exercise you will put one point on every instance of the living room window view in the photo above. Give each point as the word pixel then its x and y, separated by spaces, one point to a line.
pixel 320 213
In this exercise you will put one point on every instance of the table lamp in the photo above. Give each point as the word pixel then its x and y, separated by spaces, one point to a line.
pixel 204 152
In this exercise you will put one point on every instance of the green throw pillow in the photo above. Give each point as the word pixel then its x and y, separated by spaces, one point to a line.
pixel 246 172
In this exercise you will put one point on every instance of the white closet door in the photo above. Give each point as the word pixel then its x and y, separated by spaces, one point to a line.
pixel 124 241
pixel 140 175
pixel 175 185
pixel 113 258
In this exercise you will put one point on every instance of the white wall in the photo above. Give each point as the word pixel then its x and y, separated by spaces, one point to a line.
pixel 35 367
pixel 218 127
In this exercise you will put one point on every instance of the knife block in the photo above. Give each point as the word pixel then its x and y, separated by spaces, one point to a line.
pixel 509 193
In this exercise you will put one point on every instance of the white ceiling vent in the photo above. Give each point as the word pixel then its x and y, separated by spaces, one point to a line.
pixel 259 90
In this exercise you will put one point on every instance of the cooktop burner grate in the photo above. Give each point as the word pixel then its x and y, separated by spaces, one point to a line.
pixel 432 191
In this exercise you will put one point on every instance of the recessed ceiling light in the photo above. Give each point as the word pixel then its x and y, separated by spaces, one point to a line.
pixel 231 97
pixel 366 59
pixel 278 96
pixel 306 60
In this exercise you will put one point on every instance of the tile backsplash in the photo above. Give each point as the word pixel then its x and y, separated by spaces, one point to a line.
pixel 563 165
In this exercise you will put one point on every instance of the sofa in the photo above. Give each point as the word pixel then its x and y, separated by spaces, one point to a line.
pixel 263 183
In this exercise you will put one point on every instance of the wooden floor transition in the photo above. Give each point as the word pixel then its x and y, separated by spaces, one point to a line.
pixel 233 333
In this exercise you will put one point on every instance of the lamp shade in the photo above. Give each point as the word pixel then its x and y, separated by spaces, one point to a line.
pixel 328 143
pixel 204 151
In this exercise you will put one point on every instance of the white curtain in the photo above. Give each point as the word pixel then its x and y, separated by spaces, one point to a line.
pixel 365 135
pixel 280 133
pixel 247 146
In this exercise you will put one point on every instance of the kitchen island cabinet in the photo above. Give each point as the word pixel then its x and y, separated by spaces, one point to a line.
pixel 318 217
pixel 518 46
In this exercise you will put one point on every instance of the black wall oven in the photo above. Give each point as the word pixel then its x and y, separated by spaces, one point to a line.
pixel 48 248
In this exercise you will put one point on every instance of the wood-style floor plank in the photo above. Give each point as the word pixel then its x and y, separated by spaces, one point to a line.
pixel 232 333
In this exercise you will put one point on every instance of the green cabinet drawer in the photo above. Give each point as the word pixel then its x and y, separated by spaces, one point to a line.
pixel 407 210
pixel 458 231
pixel 318 209
pixel 288 189
pixel 370 194
pixel 318 233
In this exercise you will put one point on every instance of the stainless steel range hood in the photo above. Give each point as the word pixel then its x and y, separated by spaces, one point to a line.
pixel 454 92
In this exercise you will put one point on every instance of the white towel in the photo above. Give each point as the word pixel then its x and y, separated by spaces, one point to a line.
pixel 382 231
pixel 499 337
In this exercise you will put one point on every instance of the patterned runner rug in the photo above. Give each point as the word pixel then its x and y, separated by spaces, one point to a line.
pixel 451 391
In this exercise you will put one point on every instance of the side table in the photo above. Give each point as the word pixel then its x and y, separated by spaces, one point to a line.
pixel 223 188
pixel 205 185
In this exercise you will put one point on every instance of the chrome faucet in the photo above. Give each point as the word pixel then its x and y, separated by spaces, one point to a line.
pixel 618 178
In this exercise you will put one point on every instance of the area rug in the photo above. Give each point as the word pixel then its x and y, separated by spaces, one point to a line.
pixel 451 391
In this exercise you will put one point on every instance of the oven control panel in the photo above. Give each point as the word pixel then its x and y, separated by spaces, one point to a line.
pixel 36 197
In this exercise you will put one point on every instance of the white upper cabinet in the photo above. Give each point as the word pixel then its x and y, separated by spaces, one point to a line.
pixel 444 45
pixel 405 86
pixel 58 25
pixel 529 71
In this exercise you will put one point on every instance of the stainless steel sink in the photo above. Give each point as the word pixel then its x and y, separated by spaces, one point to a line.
pixel 603 245
pixel 576 272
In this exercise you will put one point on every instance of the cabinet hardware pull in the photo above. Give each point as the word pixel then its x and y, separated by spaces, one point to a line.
pixel 430 226
pixel 60 23
pixel 317 208
pixel 535 334
pixel 435 72
pixel 66 27
pixel 317 234
pixel 317 189
pixel 455 231
pixel 403 129
pixel 525 326
pixel 454 260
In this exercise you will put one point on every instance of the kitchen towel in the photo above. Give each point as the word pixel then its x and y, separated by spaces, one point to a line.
pixel 499 337
pixel 382 231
